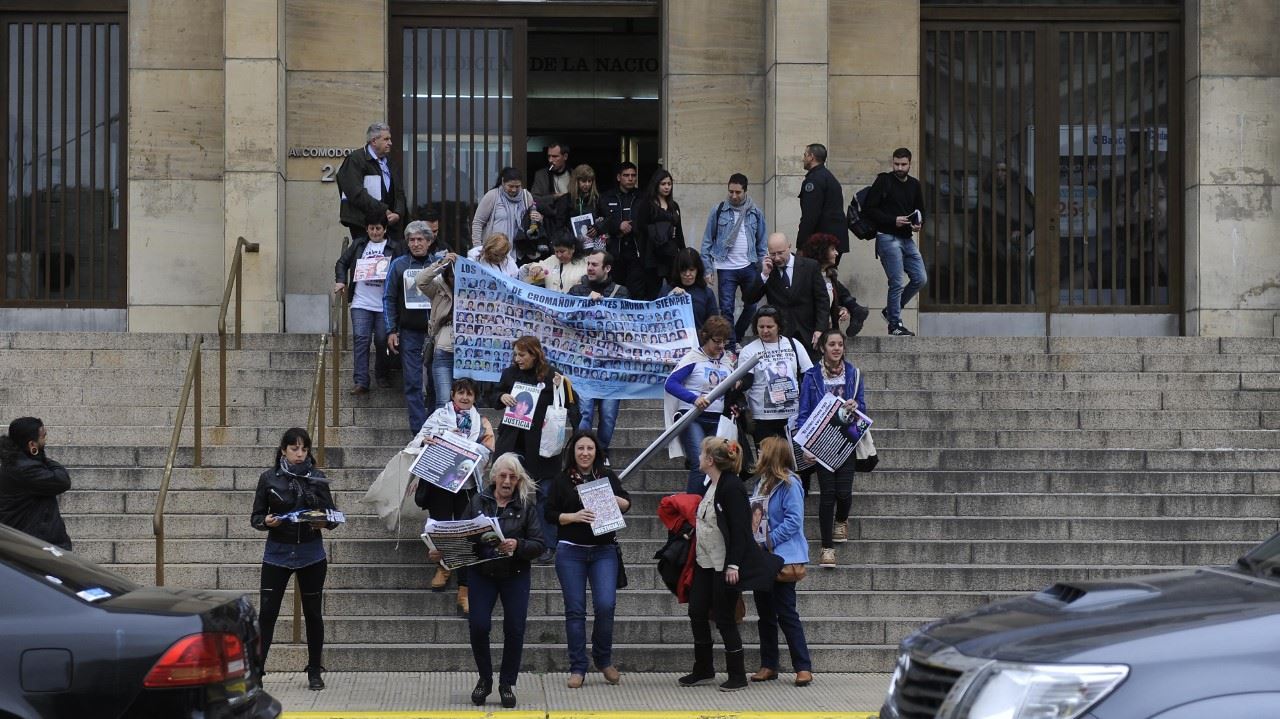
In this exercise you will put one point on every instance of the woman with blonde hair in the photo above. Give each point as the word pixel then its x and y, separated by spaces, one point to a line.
pixel 727 561
pixel 784 500
pixel 509 498
pixel 496 254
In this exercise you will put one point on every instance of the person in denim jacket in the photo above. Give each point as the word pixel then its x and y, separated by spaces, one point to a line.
pixel 732 246
pixel 777 481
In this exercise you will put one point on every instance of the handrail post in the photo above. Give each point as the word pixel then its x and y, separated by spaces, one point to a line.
pixel 159 532
pixel 234 282
pixel 196 429
pixel 236 266
pixel 320 408
pixel 222 379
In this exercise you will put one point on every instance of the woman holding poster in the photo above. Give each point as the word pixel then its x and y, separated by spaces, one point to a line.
pixel 522 434
pixel 689 385
pixel 784 499
pixel 584 556
pixel 509 499
pixel 460 416
pixel 832 375
pixel 773 387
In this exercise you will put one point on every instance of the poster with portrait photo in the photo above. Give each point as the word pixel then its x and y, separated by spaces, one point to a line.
pixel 414 299
pixel 449 460
pixel 520 414
pixel 760 519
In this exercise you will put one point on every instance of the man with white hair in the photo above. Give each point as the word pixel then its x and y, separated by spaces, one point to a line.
pixel 366 185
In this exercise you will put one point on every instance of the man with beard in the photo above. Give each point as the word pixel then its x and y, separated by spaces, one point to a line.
pixel 733 246
pixel 895 205
pixel 598 285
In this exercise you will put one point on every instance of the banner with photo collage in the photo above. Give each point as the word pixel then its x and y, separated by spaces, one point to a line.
pixel 620 349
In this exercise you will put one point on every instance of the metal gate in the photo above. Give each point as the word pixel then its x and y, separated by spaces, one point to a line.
pixel 458 96
pixel 63 214
pixel 1047 164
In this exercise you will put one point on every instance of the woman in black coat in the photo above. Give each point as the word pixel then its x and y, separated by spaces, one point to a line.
pixel 529 365
pixel 293 546
pixel 727 561
pixel 509 499
pixel 30 483
pixel 657 218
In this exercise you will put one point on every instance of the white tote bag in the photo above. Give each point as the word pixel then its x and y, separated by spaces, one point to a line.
pixel 555 425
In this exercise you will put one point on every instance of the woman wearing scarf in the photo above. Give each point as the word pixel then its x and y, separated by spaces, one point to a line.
pixel 460 416
pixel 688 386
pixel 293 483
pixel 502 210
pixel 832 375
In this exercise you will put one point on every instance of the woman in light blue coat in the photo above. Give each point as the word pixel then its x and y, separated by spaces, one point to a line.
pixel 785 537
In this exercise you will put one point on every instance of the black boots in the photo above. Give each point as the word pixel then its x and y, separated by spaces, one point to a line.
pixel 736 664
pixel 507 696
pixel 483 688
pixel 314 682
pixel 704 668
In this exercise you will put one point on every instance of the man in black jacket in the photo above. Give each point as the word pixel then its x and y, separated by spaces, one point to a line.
pixel 30 483
pixel 895 204
pixel 795 286
pixel 407 314
pixel 552 181
pixel 366 185
pixel 821 200
pixel 623 243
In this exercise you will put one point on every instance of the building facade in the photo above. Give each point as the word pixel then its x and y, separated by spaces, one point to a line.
pixel 1089 167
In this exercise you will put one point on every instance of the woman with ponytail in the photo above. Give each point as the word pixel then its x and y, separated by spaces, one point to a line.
pixel 294 545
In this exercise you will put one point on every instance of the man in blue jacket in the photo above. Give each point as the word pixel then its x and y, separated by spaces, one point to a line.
pixel 407 314
pixel 732 246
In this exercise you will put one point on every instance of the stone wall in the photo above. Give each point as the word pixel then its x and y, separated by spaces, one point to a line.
pixel 1232 168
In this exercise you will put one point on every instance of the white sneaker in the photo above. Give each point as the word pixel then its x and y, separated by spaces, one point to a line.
pixel 840 533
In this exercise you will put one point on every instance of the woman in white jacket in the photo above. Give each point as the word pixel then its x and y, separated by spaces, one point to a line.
pixel 460 416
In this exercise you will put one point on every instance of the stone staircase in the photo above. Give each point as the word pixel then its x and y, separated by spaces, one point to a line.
pixel 1006 464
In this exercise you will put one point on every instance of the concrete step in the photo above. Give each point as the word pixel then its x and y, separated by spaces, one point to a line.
pixel 1058 528
pixel 411 550
pixel 1054 381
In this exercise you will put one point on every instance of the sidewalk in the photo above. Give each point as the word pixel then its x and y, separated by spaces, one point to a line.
pixel 441 695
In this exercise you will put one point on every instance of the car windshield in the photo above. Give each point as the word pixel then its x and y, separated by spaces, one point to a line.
pixel 1262 559
pixel 59 568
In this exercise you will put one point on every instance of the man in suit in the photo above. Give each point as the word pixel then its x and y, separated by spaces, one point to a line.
pixel 795 286
pixel 380 194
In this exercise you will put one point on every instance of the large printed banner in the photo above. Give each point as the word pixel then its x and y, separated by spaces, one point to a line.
pixel 619 349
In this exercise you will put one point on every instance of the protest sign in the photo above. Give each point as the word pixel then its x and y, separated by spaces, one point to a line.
pixel 760 518
pixel 597 498
pixel 371 269
pixel 313 515
pixel 448 460
pixel 520 414
pixel 414 299
pixel 613 348
pixel 798 456
pixel 830 434
pixel 464 542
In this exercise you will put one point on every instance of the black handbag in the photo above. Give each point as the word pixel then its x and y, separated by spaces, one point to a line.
pixel 622 568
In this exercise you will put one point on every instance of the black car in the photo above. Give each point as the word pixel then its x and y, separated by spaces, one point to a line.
pixel 1193 644
pixel 79 641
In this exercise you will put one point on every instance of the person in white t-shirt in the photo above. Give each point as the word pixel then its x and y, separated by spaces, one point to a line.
pixel 361 272
pixel 773 387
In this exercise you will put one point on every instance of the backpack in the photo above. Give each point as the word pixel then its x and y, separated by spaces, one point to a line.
pixel 859 225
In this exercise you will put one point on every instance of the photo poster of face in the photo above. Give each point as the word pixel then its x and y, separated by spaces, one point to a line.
pixel 620 349
pixel 760 519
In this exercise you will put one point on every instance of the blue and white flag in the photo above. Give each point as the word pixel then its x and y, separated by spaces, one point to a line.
pixel 609 348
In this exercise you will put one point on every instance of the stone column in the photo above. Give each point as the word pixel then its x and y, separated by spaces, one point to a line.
pixel 875 107
pixel 713 102
pixel 175 163
pixel 253 161
pixel 1232 166
pixel 796 108
pixel 337 87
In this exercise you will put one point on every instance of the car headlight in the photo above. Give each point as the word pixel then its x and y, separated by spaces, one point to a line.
pixel 1041 691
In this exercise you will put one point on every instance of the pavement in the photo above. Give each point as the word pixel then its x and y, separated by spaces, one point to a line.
pixel 447 695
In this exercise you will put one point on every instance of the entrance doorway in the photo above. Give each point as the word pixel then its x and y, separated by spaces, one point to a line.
pixel 1048 159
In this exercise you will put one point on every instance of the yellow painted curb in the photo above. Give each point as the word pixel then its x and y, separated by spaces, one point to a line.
pixel 601 714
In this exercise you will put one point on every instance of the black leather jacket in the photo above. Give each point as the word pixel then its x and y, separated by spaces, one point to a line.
pixel 517 522
pixel 281 493
pixel 29 489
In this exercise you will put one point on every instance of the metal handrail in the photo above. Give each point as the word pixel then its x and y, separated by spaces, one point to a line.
pixel 338 328
pixel 315 412
pixel 678 426
pixel 234 281
pixel 192 380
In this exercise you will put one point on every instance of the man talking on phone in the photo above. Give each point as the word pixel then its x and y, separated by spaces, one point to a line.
pixel 795 286
pixel 895 204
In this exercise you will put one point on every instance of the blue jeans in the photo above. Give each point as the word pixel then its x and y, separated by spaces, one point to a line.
pixel 442 376
pixel 778 607
pixel 575 566
pixel 411 342
pixel 608 417
pixel 550 530
pixel 484 594
pixel 366 327
pixel 898 255
pixel 691 442
pixel 728 282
